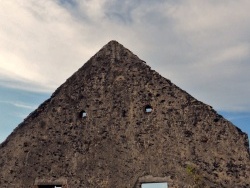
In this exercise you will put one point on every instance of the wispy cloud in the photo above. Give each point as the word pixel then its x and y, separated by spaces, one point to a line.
pixel 201 46
pixel 20 105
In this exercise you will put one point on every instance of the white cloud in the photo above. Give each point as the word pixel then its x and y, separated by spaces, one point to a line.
pixel 201 46
pixel 93 9
pixel 38 39
pixel 207 16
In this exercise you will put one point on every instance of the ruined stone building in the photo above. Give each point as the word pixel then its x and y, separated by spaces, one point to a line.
pixel 116 123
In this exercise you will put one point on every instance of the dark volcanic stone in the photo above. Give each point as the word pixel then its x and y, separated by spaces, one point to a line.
pixel 94 132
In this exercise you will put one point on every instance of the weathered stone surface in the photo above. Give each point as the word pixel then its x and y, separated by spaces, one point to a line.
pixel 182 141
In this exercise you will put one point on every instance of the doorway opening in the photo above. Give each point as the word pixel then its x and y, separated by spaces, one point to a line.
pixel 154 185
pixel 150 181
pixel 49 186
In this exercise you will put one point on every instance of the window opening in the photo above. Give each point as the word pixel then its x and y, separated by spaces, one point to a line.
pixel 154 185
pixel 148 109
pixel 83 114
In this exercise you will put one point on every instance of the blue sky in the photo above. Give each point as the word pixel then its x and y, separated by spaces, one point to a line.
pixel 201 46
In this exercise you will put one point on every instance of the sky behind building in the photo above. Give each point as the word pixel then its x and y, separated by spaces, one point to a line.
pixel 201 46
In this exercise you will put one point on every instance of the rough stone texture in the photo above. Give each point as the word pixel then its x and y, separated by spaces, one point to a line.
pixel 183 141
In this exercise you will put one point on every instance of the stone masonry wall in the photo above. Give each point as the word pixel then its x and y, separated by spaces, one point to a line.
pixel 182 140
